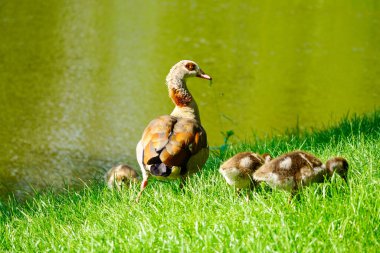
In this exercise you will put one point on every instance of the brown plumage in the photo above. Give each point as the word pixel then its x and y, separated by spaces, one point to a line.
pixel 175 146
pixel 296 169
pixel 120 175
pixel 238 170
pixel 173 141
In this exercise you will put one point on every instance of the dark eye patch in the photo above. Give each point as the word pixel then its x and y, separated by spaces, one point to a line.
pixel 190 66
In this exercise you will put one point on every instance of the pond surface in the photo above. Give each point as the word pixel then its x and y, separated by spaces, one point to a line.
pixel 79 81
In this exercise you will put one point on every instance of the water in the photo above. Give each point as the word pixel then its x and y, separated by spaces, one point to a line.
pixel 79 81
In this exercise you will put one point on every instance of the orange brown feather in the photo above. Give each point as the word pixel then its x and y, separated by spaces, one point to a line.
pixel 180 98
pixel 172 141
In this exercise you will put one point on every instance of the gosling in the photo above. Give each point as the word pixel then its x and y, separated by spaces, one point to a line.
pixel 297 169
pixel 238 170
pixel 120 175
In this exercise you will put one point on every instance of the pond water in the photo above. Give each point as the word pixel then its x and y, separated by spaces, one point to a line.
pixel 80 80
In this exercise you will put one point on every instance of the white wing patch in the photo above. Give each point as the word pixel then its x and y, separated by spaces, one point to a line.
pixel 245 162
pixel 286 163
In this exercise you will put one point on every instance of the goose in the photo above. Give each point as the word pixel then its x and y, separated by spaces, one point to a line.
pixel 297 169
pixel 175 146
pixel 238 170
pixel 120 175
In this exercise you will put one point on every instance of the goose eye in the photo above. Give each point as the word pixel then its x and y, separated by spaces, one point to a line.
pixel 190 66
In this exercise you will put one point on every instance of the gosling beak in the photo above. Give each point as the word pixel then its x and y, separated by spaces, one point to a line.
pixel 202 74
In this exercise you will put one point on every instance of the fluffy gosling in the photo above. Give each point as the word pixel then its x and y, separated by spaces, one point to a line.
pixel 238 170
pixel 120 175
pixel 297 169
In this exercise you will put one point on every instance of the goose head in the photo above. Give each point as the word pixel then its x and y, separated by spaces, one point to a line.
pixel 185 69
pixel 338 165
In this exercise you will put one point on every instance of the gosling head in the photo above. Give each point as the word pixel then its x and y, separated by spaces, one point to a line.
pixel 267 157
pixel 184 69
pixel 338 165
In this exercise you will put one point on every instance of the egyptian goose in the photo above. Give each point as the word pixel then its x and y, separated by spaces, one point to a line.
pixel 296 169
pixel 175 146
pixel 120 175
pixel 238 170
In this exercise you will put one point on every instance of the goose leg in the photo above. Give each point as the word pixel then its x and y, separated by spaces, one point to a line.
pixel 144 183
pixel 293 193
pixel 345 180
pixel 247 196
pixel 252 187
pixel 240 193
pixel 182 183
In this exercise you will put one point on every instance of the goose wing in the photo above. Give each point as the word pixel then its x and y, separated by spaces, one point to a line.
pixel 172 141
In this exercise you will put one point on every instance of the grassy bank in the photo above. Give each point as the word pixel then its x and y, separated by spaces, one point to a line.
pixel 208 216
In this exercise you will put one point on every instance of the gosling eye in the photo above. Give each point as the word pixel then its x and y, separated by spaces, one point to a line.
pixel 190 66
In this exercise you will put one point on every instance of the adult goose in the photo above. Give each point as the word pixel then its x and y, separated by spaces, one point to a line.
pixel 175 146
pixel 297 169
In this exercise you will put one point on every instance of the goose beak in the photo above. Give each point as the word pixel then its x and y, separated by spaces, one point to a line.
pixel 202 74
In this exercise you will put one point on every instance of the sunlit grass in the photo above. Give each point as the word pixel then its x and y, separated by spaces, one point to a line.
pixel 208 216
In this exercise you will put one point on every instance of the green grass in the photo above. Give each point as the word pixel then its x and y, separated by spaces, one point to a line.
pixel 208 216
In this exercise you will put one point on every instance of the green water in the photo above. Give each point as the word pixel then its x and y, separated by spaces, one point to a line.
pixel 80 80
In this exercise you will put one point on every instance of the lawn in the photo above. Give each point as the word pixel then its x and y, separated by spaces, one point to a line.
pixel 208 216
